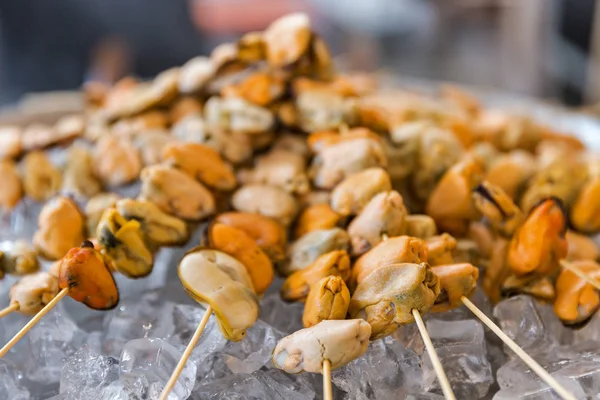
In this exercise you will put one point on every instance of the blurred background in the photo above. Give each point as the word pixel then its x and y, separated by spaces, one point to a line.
pixel 544 48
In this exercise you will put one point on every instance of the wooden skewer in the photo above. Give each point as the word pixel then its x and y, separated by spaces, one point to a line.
pixel 186 355
pixel 568 266
pixel 327 392
pixel 36 318
pixel 537 368
pixel 7 310
pixel 435 360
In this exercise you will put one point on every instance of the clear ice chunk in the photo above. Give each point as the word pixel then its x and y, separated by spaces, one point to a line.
pixel 145 316
pixel 82 316
pixel 283 316
pixel 155 390
pixel 164 266
pixel 272 384
pixel 586 350
pixel 539 391
pixel 206 354
pixel 461 347
pixel 131 289
pixel 186 320
pixel 243 357
pixel 9 326
pixel 589 332
pixel 5 225
pixel 157 359
pixel 580 365
pixel 586 373
pixel 130 386
pixel 520 320
pixel 10 387
pixel 515 372
pixel 254 351
pixel 559 333
pixel 387 370
pixel 7 282
pixel 51 341
pixel 24 219
pixel 166 260
pixel 86 372
pixel 424 396
pixel 63 396
pixel 94 342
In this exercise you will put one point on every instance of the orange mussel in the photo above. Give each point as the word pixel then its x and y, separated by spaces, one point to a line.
pixel 268 234
pixel 241 246
pixel 576 300
pixel 85 273
pixel 540 242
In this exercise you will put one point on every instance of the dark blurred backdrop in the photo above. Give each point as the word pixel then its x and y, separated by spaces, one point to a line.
pixel 545 48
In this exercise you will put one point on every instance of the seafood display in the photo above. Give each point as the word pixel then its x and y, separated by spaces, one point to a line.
pixel 259 176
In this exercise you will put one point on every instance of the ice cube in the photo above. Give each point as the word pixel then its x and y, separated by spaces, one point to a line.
pixel 5 225
pixel 157 359
pixel 130 386
pixel 424 396
pixel 520 320
pixel 270 384
pixel 63 396
pixel 51 341
pixel 9 326
pixel 155 389
pixel 148 315
pixel 94 342
pixel 246 356
pixel 166 261
pixel 211 369
pixel 131 289
pixel 254 351
pixel 588 350
pixel 186 320
pixel 86 372
pixel 387 370
pixel 461 348
pixel 515 372
pixel 590 331
pixel 495 352
pixel 539 391
pixel 10 387
pixel 288 386
pixel 560 333
pixel 586 373
pixel 173 292
pixel 165 266
pixel 81 315
pixel 206 353
pixel 283 316
pixel 409 336
pixel 577 364
pixel 7 282
pixel 24 219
